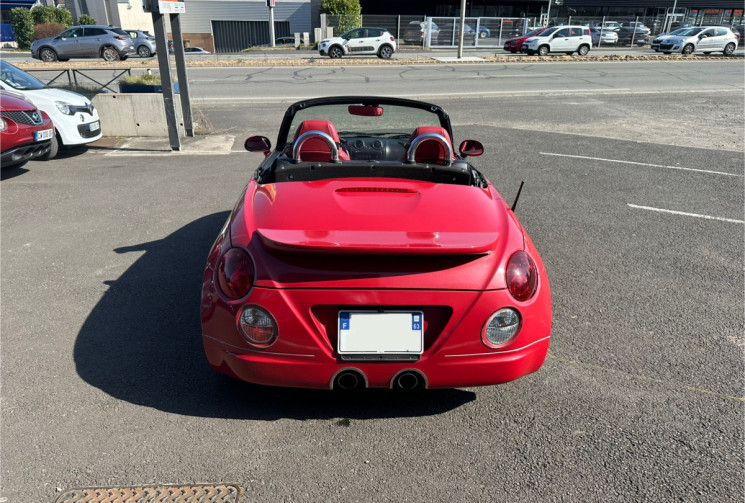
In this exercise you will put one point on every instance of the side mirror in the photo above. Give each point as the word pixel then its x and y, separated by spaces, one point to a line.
pixel 471 148
pixel 258 144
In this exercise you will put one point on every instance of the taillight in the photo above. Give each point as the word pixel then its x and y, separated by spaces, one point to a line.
pixel 393 39
pixel 257 326
pixel 121 37
pixel 521 276
pixel 235 273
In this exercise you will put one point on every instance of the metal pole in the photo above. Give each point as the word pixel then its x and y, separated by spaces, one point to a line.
pixel 183 82
pixel 602 29
pixel 271 25
pixel 636 23
pixel 159 26
pixel 548 13
pixel 675 6
pixel 462 28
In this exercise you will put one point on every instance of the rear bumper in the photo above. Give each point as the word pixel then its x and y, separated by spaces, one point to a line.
pixel 305 353
pixel 23 153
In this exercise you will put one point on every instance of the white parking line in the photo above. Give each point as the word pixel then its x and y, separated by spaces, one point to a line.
pixel 683 213
pixel 643 164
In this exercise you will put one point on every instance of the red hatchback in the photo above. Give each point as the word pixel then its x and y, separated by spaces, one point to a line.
pixel 366 252
pixel 514 45
pixel 25 131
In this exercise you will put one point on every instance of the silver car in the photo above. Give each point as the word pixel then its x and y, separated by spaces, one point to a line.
pixel 144 42
pixel 704 39
pixel 91 41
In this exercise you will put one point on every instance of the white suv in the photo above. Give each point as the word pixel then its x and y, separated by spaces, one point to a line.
pixel 359 41
pixel 566 39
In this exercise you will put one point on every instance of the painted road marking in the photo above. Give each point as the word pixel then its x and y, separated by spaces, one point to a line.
pixel 683 213
pixel 710 172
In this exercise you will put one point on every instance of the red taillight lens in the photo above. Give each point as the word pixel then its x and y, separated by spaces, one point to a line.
pixel 121 37
pixel 521 276
pixel 235 273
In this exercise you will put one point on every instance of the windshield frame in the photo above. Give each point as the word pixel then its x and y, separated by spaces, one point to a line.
pixel 287 121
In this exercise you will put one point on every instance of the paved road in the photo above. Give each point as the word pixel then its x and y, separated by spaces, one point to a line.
pixel 104 382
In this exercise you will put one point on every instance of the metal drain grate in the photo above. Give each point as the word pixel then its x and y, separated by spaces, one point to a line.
pixel 224 493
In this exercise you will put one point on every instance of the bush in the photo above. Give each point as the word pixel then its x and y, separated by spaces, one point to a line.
pixel 23 26
pixel 47 30
pixel 42 15
pixel 348 11
pixel 63 17
pixel 86 19
pixel 151 80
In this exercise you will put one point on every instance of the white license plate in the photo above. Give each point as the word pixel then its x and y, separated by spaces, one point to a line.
pixel 94 126
pixel 374 332
pixel 46 134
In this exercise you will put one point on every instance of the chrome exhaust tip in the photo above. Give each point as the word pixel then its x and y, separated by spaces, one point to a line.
pixel 409 380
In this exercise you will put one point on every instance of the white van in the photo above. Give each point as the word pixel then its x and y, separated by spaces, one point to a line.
pixel 566 39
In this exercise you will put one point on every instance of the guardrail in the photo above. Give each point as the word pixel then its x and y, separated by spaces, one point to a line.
pixel 78 76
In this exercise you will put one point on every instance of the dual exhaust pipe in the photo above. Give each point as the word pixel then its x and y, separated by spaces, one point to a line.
pixel 352 379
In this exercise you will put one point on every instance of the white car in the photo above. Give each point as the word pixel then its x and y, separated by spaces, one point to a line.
pixel 704 39
pixel 75 119
pixel 607 36
pixel 655 44
pixel 566 39
pixel 359 41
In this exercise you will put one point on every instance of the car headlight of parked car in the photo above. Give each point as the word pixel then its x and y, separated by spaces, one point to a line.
pixel 65 108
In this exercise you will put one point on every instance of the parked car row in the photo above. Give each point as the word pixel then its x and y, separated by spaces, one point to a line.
pixel 72 118
pixel 571 39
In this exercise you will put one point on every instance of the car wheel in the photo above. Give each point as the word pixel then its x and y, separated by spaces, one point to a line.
pixel 144 52
pixel 335 52
pixel 110 54
pixel 543 50
pixel 54 148
pixel 729 49
pixel 48 55
pixel 123 57
pixel 688 49
pixel 482 34
pixel 583 50
pixel 386 52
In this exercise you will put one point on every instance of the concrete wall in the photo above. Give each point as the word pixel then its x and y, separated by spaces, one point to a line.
pixel 136 114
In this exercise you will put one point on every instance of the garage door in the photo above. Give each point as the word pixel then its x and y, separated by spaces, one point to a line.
pixel 234 36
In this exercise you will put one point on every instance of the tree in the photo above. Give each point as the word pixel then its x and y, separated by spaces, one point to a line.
pixel 347 12
pixel 23 26
pixel 86 19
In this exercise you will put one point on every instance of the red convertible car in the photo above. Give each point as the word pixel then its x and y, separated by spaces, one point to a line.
pixel 25 131
pixel 366 252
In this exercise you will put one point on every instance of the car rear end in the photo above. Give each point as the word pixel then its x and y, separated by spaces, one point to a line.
pixel 123 42
pixel 407 310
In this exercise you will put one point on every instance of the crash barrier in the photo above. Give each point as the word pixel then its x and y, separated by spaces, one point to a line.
pixel 79 78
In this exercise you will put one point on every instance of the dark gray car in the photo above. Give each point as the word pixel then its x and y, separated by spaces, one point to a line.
pixel 92 41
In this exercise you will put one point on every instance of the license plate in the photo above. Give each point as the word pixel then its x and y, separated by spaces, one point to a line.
pixel 46 134
pixel 374 332
pixel 94 126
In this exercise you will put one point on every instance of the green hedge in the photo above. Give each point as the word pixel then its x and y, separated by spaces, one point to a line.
pixel 23 26
pixel 86 19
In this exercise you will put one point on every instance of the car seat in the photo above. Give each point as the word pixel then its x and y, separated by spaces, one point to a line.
pixel 316 149
pixel 430 150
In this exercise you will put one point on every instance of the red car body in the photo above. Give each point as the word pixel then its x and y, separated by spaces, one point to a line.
pixel 314 247
pixel 514 45
pixel 25 131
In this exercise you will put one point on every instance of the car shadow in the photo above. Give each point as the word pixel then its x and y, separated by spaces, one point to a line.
pixel 142 344
pixel 9 172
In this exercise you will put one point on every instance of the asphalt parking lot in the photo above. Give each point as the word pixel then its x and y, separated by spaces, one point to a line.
pixel 641 398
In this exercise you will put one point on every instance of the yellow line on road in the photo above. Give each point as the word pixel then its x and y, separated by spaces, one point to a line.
pixel 645 378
